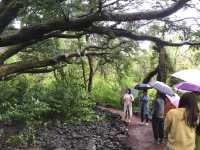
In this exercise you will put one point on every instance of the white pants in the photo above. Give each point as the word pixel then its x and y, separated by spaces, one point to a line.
pixel 128 109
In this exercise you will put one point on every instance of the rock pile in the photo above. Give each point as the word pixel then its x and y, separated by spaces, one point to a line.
pixel 109 134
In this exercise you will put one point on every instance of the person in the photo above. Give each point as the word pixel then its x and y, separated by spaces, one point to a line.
pixel 128 99
pixel 158 118
pixel 144 108
pixel 180 124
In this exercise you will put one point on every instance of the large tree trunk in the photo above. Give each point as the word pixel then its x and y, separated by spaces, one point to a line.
pixel 82 66
pixel 84 73
pixel 91 73
pixel 162 67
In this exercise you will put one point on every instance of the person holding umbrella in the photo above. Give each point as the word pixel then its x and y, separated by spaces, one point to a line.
pixel 159 110
pixel 144 102
pixel 144 107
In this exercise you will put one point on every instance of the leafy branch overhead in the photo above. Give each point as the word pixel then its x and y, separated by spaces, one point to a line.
pixel 41 21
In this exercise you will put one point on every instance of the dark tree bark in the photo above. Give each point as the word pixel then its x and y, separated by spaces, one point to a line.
pixel 144 15
pixel 23 66
pixel 162 67
pixel 91 73
pixel 9 11
pixel 125 33
pixel 83 67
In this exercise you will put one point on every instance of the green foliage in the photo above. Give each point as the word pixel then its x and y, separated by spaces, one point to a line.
pixel 125 70
pixel 58 96
pixel 107 91
pixel 19 104
pixel 26 137
pixel 41 50
pixel 64 99
pixel 34 100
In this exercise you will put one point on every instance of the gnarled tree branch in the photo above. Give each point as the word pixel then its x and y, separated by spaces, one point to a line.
pixel 10 51
pixel 37 31
pixel 9 12
pixel 41 30
pixel 143 15
pixel 23 66
pixel 124 33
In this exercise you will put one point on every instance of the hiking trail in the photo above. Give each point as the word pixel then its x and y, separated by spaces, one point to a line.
pixel 140 136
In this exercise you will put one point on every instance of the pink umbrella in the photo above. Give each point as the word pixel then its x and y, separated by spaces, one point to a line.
pixel 174 99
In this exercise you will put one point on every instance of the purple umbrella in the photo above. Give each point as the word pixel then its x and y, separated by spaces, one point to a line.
pixel 188 86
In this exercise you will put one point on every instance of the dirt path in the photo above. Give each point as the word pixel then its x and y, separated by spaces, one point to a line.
pixel 140 136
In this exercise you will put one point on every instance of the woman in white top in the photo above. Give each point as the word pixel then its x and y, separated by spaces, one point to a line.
pixel 128 99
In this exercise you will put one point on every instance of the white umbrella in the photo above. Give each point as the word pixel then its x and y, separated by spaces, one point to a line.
pixel 188 75
pixel 162 87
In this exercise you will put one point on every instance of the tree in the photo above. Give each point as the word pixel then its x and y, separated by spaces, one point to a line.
pixel 73 19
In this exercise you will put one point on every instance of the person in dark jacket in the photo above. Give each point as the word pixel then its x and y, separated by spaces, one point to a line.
pixel 144 108
pixel 158 118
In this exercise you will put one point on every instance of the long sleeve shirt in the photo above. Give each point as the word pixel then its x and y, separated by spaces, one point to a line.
pixel 128 98
pixel 158 110
pixel 179 135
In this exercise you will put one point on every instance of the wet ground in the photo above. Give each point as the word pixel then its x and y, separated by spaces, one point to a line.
pixel 140 136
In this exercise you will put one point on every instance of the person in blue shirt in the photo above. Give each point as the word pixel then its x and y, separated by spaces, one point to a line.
pixel 144 108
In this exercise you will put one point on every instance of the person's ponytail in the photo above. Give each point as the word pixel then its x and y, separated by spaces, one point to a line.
pixel 189 102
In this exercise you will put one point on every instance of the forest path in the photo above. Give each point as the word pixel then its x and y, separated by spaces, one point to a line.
pixel 140 136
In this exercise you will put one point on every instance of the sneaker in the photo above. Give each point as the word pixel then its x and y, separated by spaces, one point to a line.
pixel 156 141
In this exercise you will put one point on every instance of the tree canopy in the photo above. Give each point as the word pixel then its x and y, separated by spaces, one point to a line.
pixel 45 20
